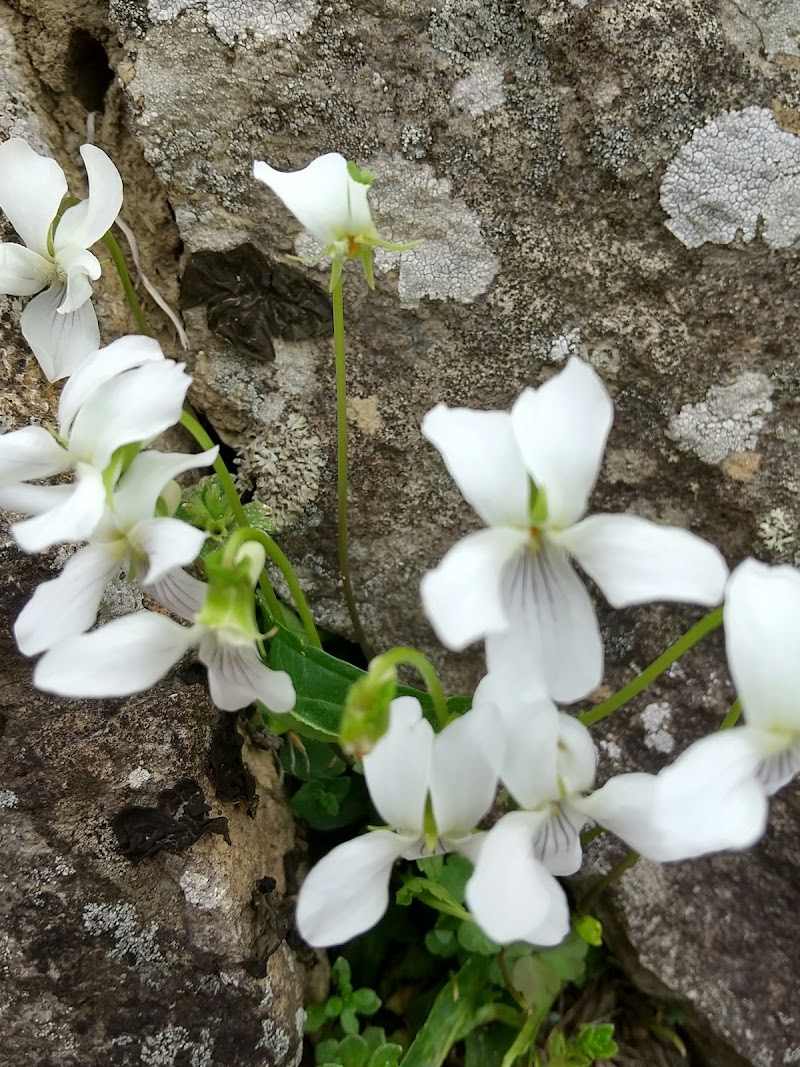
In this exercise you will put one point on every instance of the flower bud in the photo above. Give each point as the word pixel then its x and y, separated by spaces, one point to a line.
pixel 366 709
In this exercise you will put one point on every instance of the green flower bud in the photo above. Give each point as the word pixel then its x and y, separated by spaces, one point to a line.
pixel 366 709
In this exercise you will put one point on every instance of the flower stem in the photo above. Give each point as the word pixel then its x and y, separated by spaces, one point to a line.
pixel 423 666
pixel 341 461
pixel 124 276
pixel 249 533
pixel 625 864
pixel 526 1037
pixel 709 623
pixel 733 715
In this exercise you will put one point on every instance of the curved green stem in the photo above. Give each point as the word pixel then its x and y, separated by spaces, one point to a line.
pixel 423 666
pixel 526 1036
pixel 701 629
pixel 249 533
pixel 124 276
pixel 341 459
pixel 625 864
pixel 733 715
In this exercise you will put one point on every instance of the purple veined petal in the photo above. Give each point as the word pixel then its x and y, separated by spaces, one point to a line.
pixel 762 637
pixel 513 896
pixel 128 655
pixel 31 190
pixel 348 891
pixel 635 561
pixel 87 222
pixel 323 197
pixel 100 367
pixel 179 592
pixel 557 843
pixel 166 544
pixel 552 631
pixel 561 429
pixel 398 769
pixel 467 756
pixel 79 266
pixel 30 453
pixel 237 677
pixel 139 488
pixel 481 453
pixel 135 406
pixel 60 343
pixel 463 597
pixel 22 271
pixel 779 768
pixel 68 604
pixel 74 518
pixel 26 499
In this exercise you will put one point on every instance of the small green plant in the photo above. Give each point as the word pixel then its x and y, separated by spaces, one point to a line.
pixel 340 1012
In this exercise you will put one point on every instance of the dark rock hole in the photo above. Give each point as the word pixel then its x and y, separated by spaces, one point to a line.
pixel 88 72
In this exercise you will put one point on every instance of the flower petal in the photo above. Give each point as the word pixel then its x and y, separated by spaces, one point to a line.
pixel 348 891
pixel 237 677
pixel 135 406
pixel 762 636
pixel 577 755
pixel 68 604
pixel 87 222
pixel 59 342
pixel 179 592
pixel 625 805
pixel 166 544
pixel 30 453
pixel 511 894
pixel 79 266
pixel 463 596
pixel 561 429
pixel 22 271
pixel 398 769
pixel 466 759
pixel 75 518
pixel 557 844
pixel 322 197
pixel 33 499
pixel 139 488
pixel 552 632
pixel 128 655
pixel 635 561
pixel 778 768
pixel 31 190
pixel 481 453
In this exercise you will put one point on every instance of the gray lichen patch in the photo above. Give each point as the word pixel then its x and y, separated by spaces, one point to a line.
pixel 738 169
pixel 481 90
pixel 130 941
pixel 17 98
pixel 728 420
pixel 778 24
pixel 174 1045
pixel 238 21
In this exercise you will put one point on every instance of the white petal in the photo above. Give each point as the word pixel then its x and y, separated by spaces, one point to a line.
pixel 33 499
pixel 577 755
pixel 100 367
pixel 625 805
pixel 561 430
pixel 237 677
pixel 635 561
pixel 166 544
pixel 348 891
pixel 466 759
pixel 553 632
pixel 778 768
pixel 126 656
pixel 558 842
pixel 30 453
pixel 398 769
pixel 31 190
pixel 59 342
pixel 179 592
pixel 511 894
pixel 79 266
pixel 135 406
pixel 22 271
pixel 68 604
pixel 463 596
pixel 762 636
pixel 483 458
pixel 75 518
pixel 87 222
pixel 139 488
pixel 322 197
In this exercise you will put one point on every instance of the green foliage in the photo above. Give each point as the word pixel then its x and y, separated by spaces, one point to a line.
pixel 205 506
pixel 370 1049
pixel 591 1043
pixel 588 929
pixel 343 1007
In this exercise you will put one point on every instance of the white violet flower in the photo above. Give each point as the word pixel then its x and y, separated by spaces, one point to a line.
pixel 123 394
pixel 528 475
pixel 59 324
pixel 431 789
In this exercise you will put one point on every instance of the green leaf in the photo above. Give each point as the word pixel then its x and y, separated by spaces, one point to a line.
pixel 348 1021
pixel 568 959
pixel 375 1036
pixel 320 801
pixel 597 1041
pixel 432 893
pixel 316 1017
pixel 353 1051
pixel 326 1051
pixel 588 929
pixel 315 759
pixel 487 1046
pixel 537 982
pixel 450 1017
pixel 341 976
pixel 387 1055
pixel 442 939
pixel 472 939
pixel 365 1001
pixel 259 517
pixel 333 1006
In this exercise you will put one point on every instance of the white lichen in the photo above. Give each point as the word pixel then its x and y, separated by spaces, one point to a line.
pixel 657 736
pixel 777 531
pixel 728 420
pixel 611 749
pixel 239 21
pixel 164 1048
pixel 201 891
pixel 275 1041
pixel 481 90
pixel 8 799
pixel 778 23
pixel 130 939
pixel 138 777
pixel 569 344
pixel 738 170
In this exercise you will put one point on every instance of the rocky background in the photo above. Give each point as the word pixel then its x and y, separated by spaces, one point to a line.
pixel 613 178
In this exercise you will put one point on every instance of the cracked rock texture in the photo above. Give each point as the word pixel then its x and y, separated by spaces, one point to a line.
pixel 528 143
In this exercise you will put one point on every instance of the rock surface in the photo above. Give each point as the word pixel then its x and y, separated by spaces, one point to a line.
pixel 532 145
